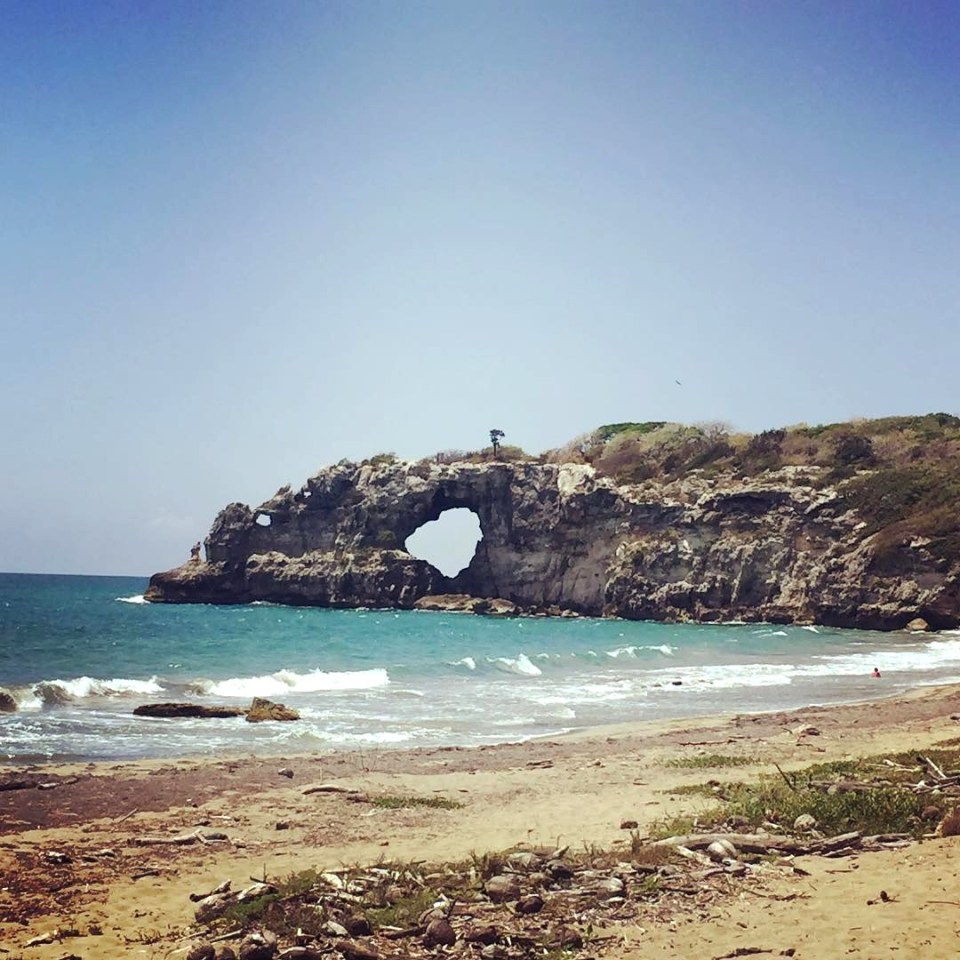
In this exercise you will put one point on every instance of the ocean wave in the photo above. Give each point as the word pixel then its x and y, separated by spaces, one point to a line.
pixel 137 598
pixel 287 681
pixel 945 649
pixel 724 676
pixel 58 693
pixel 634 652
pixel 520 664
pixel 934 655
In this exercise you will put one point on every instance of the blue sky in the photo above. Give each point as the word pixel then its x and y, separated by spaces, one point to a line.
pixel 239 241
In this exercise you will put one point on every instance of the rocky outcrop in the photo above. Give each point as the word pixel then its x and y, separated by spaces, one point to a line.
pixel 262 710
pixel 192 710
pixel 781 547
pixel 258 711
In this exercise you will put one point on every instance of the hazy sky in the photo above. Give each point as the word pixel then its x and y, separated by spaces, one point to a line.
pixel 241 240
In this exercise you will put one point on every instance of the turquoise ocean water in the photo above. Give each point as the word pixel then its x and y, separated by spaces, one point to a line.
pixel 79 653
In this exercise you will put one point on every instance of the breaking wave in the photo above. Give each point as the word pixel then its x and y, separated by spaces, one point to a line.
pixel 58 693
pixel 521 664
pixel 635 652
pixel 287 681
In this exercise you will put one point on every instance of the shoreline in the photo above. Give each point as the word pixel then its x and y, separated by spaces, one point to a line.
pixel 273 751
pixel 576 790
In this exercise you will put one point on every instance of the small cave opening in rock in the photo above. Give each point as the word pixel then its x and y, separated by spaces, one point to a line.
pixel 447 543
pixel 263 520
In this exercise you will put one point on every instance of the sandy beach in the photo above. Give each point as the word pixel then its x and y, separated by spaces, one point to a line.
pixel 76 871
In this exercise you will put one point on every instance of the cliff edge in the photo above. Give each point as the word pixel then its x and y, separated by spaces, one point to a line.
pixel 793 543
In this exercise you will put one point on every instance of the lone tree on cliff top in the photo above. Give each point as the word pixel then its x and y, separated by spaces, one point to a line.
pixel 495 436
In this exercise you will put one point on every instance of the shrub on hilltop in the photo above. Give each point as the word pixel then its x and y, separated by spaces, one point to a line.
pixel 901 474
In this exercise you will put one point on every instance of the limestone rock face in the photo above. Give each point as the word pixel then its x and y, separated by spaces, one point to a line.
pixel 557 538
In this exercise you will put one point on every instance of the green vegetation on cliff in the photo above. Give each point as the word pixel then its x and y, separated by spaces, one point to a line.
pixel 901 474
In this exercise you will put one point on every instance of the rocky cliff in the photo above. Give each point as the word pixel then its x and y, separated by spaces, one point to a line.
pixel 782 547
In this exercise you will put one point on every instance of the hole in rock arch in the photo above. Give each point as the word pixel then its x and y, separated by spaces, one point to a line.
pixel 447 543
pixel 263 520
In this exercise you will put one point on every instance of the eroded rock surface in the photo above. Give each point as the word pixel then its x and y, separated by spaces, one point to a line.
pixel 782 547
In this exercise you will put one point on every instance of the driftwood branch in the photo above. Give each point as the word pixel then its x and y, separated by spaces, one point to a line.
pixel 786 779
pixel 325 788
pixel 182 840
pixel 763 843
pixel 742 952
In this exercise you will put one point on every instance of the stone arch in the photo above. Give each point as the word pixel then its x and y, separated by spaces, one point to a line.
pixel 449 542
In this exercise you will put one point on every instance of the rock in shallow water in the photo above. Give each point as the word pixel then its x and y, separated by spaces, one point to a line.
pixel 261 710
pixel 187 710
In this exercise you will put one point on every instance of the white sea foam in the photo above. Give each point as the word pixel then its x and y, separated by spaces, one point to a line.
pixel 724 676
pixel 53 693
pixel 137 598
pixel 521 665
pixel 634 652
pixel 467 662
pixel 287 681
pixel 945 649
pixel 933 655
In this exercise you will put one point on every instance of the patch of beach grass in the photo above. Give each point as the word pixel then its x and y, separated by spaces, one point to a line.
pixel 404 912
pixel 693 790
pixel 402 802
pixel 881 809
pixel 709 761
pixel 866 794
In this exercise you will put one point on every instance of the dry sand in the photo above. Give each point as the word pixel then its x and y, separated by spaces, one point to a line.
pixel 577 790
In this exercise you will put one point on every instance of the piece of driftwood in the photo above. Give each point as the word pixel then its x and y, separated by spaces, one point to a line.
pixel 43 939
pixel 786 779
pixel 182 839
pixel 216 904
pixel 220 888
pixel 742 952
pixel 326 788
pixel 932 767
pixel 232 935
pixel 762 843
